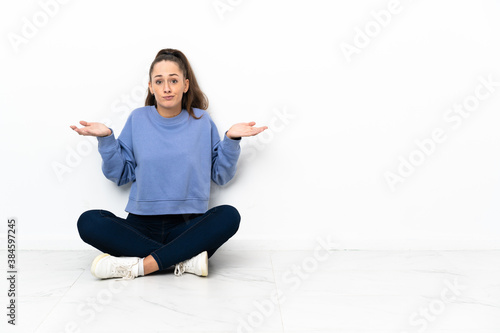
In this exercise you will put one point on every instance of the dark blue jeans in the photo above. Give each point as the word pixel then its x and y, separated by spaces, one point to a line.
pixel 170 239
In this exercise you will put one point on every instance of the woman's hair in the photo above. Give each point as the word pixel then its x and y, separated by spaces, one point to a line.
pixel 194 97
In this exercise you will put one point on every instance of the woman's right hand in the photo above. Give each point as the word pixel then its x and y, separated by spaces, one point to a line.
pixel 92 129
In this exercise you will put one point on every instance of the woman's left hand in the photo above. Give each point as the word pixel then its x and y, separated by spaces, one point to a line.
pixel 244 129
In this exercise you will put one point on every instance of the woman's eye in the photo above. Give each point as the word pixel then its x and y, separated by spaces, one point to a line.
pixel 174 81
pixel 158 82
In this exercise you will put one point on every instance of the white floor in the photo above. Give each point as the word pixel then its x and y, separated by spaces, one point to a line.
pixel 265 291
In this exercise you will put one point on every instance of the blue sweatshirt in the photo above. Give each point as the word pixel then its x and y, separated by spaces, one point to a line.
pixel 169 161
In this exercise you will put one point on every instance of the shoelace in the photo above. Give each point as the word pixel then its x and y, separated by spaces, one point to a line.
pixel 179 269
pixel 125 270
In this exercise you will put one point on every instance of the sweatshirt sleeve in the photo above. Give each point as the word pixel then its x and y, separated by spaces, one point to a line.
pixel 225 154
pixel 118 162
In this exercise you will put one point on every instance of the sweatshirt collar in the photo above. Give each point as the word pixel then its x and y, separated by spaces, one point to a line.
pixel 181 117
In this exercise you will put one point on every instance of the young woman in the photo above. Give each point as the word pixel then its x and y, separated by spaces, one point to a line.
pixel 169 149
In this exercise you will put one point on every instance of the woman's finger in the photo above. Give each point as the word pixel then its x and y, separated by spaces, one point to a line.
pixel 260 129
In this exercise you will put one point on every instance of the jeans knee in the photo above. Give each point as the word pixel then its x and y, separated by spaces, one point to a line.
pixel 232 217
pixel 84 223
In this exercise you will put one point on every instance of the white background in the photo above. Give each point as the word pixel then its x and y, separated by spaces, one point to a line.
pixel 337 123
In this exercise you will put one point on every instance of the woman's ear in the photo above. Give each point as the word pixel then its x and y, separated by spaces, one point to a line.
pixel 186 83
pixel 151 88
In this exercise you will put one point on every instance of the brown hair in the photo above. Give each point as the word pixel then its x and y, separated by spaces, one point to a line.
pixel 194 97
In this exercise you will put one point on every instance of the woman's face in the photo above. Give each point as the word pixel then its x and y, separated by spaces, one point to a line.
pixel 168 85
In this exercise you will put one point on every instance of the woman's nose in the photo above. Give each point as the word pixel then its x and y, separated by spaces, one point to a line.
pixel 166 87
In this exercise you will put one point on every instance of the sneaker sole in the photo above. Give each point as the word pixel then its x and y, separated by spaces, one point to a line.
pixel 94 263
pixel 204 269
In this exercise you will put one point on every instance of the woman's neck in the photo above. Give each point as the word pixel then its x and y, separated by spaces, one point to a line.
pixel 169 113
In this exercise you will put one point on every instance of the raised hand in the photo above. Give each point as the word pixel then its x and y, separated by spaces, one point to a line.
pixel 244 129
pixel 92 129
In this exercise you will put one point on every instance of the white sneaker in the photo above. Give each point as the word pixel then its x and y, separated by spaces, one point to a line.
pixel 105 266
pixel 196 265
